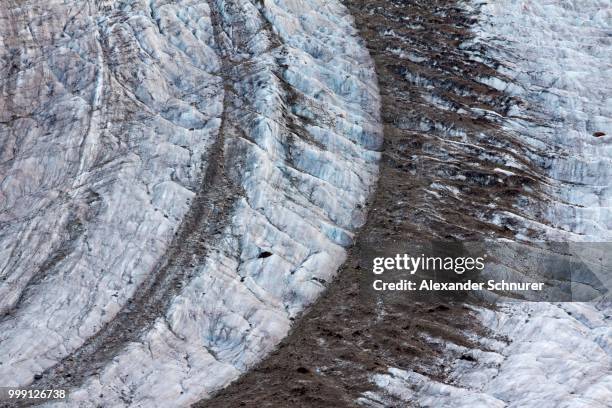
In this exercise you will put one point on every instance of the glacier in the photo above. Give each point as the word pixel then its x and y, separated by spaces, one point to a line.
pixel 180 180
pixel 204 163
pixel 554 58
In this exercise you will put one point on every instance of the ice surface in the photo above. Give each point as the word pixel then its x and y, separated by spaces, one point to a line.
pixel 102 149
pixel 545 355
pixel 541 355
pixel 100 167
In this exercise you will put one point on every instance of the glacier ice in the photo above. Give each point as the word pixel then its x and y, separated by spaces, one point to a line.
pixel 554 56
pixel 112 114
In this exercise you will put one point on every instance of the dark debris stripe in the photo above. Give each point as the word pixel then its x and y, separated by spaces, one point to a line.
pixel 429 87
